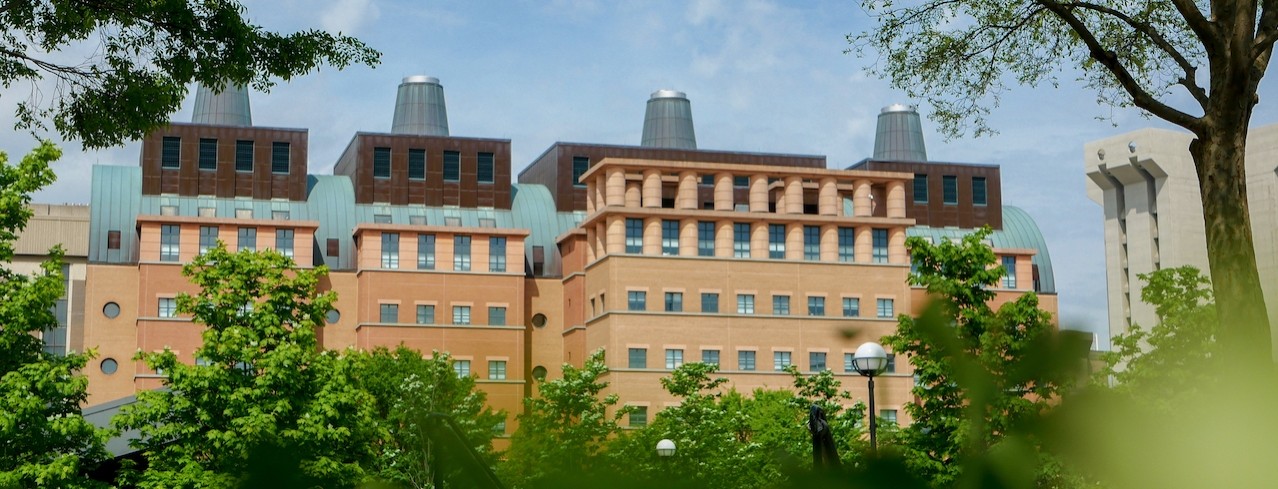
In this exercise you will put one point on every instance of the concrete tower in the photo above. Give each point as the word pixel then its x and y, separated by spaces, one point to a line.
pixel 230 107
pixel 668 121
pixel 899 136
pixel 419 107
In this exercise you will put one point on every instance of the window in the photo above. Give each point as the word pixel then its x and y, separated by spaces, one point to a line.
pixel 781 305
pixel 381 218
pixel 634 235
pixel 462 367
pixel 780 360
pixel 920 188
pixel 425 252
pixel 113 240
pixel 487 222
pixel 670 237
pixel 636 300
pixel 710 357
pixel 425 314
pixel 816 306
pixel 880 242
pixel 243 213
pixel 538 260
pixel 168 307
pixel 816 361
pixel 851 307
pixel 206 212
pixel 848 365
pixel 885 308
pixel 1009 272
pixel 638 416
pixel 741 240
pixel 417 220
pixel 891 364
pixel 461 315
pixel 390 250
pixel 496 370
pixel 888 415
pixel 332 247
pixel 979 195
pixel 244 156
pixel 741 181
pixel 497 254
pixel 776 241
pixel 674 301
pixel 745 360
pixel 279 157
pixel 705 238
pixel 745 303
pixel 389 313
pixel 461 253
pixel 496 316
pixel 170 242
pixel 484 170
pixel 279 215
pixel 638 358
pixel 208 154
pixel 284 242
pixel 674 358
pixel 579 166
pixel 452 166
pixel 381 162
pixel 417 164
pixel 171 152
pixel 811 243
pixel 949 189
pixel 208 238
pixel 247 239
pixel 452 221
pixel 710 302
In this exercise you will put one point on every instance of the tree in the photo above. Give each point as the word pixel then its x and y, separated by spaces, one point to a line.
pixel 957 54
pixel 44 441
pixel 147 52
pixel 263 405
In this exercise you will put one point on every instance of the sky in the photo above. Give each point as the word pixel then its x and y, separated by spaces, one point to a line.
pixel 762 75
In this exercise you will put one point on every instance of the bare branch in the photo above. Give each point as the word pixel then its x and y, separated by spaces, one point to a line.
pixel 1203 28
pixel 1266 31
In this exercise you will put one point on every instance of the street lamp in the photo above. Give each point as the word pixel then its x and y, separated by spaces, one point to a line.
pixel 665 448
pixel 869 360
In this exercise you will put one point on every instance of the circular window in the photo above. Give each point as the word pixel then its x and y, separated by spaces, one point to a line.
pixel 109 366
pixel 539 372
pixel 333 316
pixel 539 320
pixel 111 310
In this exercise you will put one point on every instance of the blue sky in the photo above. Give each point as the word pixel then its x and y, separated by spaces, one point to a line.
pixel 763 75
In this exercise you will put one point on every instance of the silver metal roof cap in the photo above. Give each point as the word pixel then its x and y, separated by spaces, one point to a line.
pixel 419 107
pixel 230 107
pixel 667 122
pixel 899 135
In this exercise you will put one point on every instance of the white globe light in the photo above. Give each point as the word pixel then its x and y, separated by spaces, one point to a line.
pixel 665 448
pixel 870 359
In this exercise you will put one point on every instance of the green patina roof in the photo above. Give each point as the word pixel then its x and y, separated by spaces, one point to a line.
pixel 1019 231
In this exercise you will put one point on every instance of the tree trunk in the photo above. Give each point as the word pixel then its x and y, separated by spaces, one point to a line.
pixel 1219 156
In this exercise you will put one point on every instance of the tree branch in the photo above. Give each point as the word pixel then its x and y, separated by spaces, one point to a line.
pixel 1202 27
pixel 1266 31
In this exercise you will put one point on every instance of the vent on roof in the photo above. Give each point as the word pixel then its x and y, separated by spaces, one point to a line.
pixel 667 123
pixel 899 136
pixel 419 107
pixel 230 107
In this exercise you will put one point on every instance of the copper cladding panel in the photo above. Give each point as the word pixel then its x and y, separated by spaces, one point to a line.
pixel 224 181
pixel 398 189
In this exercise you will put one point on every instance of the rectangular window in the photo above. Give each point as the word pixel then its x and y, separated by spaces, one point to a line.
pixel 208 154
pixel 880 245
pixel 811 243
pixel 279 215
pixel 333 247
pixel 461 315
pixel 949 189
pixel 425 252
pixel 634 235
pixel 417 164
pixel 885 308
pixel 579 166
pixel 979 194
pixel 168 307
pixel 284 242
pixel 244 156
pixel 674 358
pixel 848 365
pixel 816 361
pixel 851 307
pixel 247 239
pixel 170 242
pixel 710 357
pixel 781 305
pixel 496 316
pixel 462 367
pixel 891 364
pixel 745 360
pixel 741 240
pixel 847 244
pixel 390 250
pixel 741 182
pixel 452 166
pixel 113 240
pixel 780 360
pixel 381 218
pixel 776 241
pixel 461 253
pixel 1009 272
pixel 669 237
pixel 638 416
pixel 674 302
pixel 638 358
pixel 888 415
pixel 710 302
pixel 389 313
pixel 920 188
pixel 171 152
pixel 816 306
pixel 497 254
pixel 425 314
pixel 637 300
pixel 279 157
pixel 208 238
pixel 381 162
pixel 705 238
pixel 745 303
pixel 484 168
pixel 496 370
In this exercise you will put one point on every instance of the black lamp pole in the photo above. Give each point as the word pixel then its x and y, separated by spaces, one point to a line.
pixel 874 425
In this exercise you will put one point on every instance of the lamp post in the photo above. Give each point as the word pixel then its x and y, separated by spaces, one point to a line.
pixel 869 360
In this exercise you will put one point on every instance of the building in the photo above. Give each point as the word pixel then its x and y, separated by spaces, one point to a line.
pixel 1147 184
pixel 52 225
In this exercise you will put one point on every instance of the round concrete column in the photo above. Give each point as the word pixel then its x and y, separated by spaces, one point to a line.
pixel 828 197
pixel 652 236
pixel 687 197
pixel 829 243
pixel 634 195
pixel 864 245
pixel 861 201
pixel 652 188
pixel 615 188
pixel 896 199
pixel 688 238
pixel 793 195
pixel 759 240
pixel 723 239
pixel 723 192
pixel 896 246
pixel 758 193
pixel 616 242
pixel 793 241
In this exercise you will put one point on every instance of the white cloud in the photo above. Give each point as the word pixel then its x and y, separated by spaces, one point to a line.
pixel 348 16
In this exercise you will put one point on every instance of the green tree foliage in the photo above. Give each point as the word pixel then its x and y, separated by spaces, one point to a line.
pixel 264 405
pixel 142 55
pixel 1196 64
pixel 44 441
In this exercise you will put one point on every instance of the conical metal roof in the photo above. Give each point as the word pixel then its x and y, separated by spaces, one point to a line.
pixel 899 136
pixel 419 107
pixel 667 123
pixel 230 107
